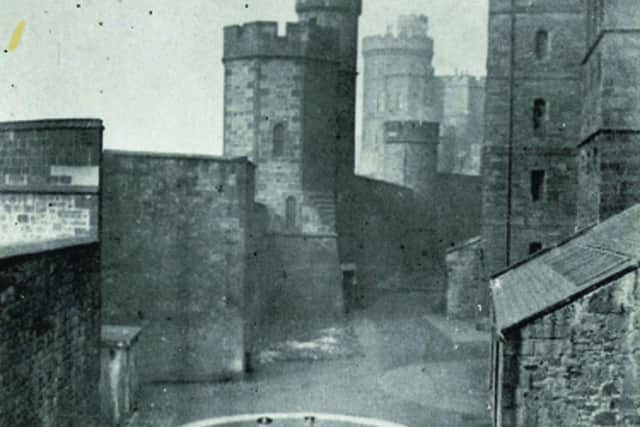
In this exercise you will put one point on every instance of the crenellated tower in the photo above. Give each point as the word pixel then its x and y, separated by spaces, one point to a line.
pixel 280 110
pixel 398 86
pixel 411 155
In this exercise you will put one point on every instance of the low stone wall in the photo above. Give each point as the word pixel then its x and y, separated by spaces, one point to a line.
pixel 49 334
pixel 578 366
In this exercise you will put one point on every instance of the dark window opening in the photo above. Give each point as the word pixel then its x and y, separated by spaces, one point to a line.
pixel 534 247
pixel 537 185
pixel 542 44
pixel 539 115
pixel 291 212
pixel 278 139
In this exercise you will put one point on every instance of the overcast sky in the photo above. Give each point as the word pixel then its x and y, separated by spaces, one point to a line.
pixel 151 69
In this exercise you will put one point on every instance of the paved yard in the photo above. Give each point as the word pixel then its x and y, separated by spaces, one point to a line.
pixel 405 370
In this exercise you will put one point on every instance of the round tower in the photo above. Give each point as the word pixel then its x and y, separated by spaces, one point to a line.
pixel 411 155
pixel 341 15
pixel 398 85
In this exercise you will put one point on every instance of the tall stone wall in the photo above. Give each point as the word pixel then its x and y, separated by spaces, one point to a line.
pixel 176 236
pixel 609 151
pixel 401 237
pixel 49 179
pixel 532 123
pixel 50 333
pixel 579 365
pixel 397 239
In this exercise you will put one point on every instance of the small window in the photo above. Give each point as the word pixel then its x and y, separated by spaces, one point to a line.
pixel 539 115
pixel 534 247
pixel 278 139
pixel 542 45
pixel 291 212
pixel 537 185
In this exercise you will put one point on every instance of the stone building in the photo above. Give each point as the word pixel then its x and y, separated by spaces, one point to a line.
pixel 566 350
pixel 609 144
pixel 566 344
pixel 400 85
pixel 461 122
pixel 532 125
pixel 289 108
pixel 49 272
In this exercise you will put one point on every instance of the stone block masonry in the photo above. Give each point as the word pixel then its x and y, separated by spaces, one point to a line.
pixel 176 239
pixel 49 179
pixel 50 334
pixel 532 126
pixel 578 366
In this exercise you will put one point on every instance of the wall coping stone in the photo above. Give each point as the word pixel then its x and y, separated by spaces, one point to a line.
pixel 49 189
pixel 118 336
pixel 28 125
pixel 179 156
pixel 31 248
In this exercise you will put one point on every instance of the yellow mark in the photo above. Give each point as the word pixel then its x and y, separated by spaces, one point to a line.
pixel 17 35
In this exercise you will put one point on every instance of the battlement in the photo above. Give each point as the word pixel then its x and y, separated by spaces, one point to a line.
pixel 261 39
pixel 411 132
pixel 348 6
pixel 32 125
pixel 413 25
pixel 462 79
pixel 415 44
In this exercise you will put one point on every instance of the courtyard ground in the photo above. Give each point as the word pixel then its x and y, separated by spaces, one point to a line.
pixel 399 363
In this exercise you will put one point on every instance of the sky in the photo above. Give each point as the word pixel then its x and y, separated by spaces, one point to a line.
pixel 152 70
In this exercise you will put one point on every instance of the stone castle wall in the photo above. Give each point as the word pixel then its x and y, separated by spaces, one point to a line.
pixel 176 240
pixel 50 333
pixel 579 365
pixel 49 178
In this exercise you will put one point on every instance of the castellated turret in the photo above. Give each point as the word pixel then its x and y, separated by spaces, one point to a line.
pixel 280 108
pixel 399 85
pixel 411 155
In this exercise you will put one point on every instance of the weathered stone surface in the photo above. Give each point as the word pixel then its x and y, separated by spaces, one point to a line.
pixel 49 173
pixel 50 336
pixel 512 220
pixel 176 238
pixel 577 367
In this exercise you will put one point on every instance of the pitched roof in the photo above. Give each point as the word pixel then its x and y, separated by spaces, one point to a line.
pixel 557 276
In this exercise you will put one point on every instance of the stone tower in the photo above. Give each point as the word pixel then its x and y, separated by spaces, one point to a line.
pixel 342 16
pixel 411 155
pixel 398 86
pixel 280 111
pixel 609 157
pixel 532 125
pixel 461 125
